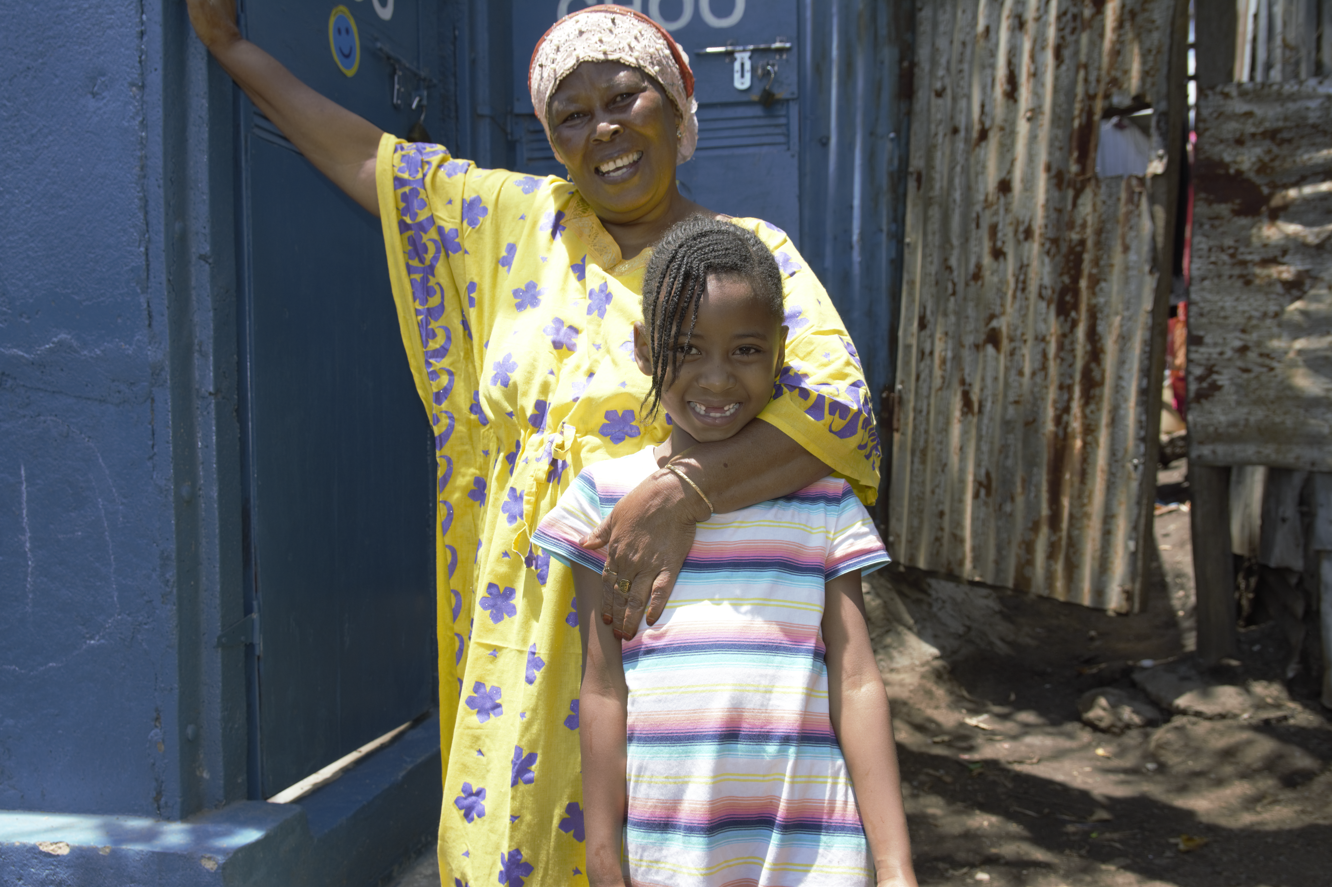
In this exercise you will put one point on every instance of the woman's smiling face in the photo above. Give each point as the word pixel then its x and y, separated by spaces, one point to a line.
pixel 615 130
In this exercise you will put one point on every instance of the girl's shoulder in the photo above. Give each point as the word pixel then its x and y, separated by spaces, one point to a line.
pixel 617 476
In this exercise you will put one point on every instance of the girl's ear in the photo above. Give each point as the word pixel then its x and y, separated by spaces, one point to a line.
pixel 642 350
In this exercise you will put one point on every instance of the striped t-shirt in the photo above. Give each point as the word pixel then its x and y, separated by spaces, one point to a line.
pixel 734 773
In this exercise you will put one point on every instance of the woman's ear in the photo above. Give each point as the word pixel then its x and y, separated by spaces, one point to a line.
pixel 642 350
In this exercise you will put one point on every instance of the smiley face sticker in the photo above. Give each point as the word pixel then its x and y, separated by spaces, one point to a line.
pixel 344 40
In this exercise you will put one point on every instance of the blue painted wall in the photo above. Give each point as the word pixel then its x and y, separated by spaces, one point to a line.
pixel 97 435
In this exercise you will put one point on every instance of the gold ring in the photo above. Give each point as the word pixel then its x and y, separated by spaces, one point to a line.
pixel 623 586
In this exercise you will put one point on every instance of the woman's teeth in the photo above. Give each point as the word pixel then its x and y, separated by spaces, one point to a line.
pixel 623 160
pixel 713 413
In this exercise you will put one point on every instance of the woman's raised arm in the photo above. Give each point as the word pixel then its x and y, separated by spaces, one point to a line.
pixel 340 144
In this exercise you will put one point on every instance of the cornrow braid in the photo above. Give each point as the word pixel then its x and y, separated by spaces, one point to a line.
pixel 677 276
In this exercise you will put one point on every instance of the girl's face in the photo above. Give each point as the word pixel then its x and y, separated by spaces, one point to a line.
pixel 726 376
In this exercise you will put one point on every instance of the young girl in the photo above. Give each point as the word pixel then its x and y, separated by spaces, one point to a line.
pixel 720 745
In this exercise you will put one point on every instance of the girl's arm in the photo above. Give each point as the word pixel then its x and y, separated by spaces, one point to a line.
pixel 340 144
pixel 858 706
pixel 602 713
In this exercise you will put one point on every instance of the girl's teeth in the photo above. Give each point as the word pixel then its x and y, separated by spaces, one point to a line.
pixel 704 411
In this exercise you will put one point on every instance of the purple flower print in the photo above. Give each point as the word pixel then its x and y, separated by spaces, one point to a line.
pixel 572 720
pixel 555 473
pixel 457 657
pixel 412 202
pixel 418 252
pixel 478 494
pixel 452 245
pixel 534 664
pixel 795 319
pixel 527 183
pixel 459 882
pixel 506 261
pixel 511 458
pixel 471 296
pixel 598 300
pixel 572 621
pixel 538 418
pixel 789 380
pixel 540 563
pixel 851 350
pixel 522 767
pixel 579 386
pixel 554 223
pixel 771 227
pixel 529 296
pixel 455 167
pixel 485 702
pixel 457 605
pixel 513 870
pixel 788 264
pixel 475 408
pixel 473 211
pixel 579 268
pixel 502 370
pixel 409 163
pixel 619 426
pixel 561 336
pixel 470 802
pixel 572 823
pixel 512 508
pixel 498 602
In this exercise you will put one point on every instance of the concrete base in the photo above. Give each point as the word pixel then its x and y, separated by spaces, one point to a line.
pixel 349 833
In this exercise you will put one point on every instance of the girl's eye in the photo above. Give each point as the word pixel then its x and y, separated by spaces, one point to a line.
pixel 748 350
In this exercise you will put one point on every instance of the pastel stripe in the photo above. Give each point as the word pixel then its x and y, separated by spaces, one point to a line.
pixel 734 774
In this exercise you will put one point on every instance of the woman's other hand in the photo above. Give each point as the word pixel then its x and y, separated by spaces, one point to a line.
pixel 214 22
pixel 340 144
pixel 647 536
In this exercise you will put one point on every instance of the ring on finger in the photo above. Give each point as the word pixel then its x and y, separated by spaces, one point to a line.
pixel 622 585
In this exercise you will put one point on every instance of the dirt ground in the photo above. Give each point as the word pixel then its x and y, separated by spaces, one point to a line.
pixel 1004 783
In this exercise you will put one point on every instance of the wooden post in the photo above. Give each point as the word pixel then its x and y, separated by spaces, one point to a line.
pixel 1321 545
pixel 1213 569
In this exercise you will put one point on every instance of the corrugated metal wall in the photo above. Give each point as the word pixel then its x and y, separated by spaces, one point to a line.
pixel 1260 319
pixel 1026 367
pixel 1280 40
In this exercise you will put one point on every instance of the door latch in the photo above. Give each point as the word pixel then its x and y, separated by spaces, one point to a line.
pixel 742 71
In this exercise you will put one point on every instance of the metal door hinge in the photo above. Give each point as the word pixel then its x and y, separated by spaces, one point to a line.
pixel 243 633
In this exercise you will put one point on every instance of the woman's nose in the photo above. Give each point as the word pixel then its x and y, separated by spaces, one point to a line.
pixel 606 130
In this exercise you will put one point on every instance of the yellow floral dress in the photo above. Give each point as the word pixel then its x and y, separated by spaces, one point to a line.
pixel 516 312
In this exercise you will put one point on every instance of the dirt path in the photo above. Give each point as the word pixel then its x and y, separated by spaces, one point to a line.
pixel 1006 786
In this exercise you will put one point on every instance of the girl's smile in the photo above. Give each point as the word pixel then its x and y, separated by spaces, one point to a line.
pixel 725 374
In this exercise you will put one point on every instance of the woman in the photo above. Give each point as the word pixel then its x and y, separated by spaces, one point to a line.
pixel 516 299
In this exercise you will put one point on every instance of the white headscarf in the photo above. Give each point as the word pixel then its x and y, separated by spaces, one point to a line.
pixel 615 34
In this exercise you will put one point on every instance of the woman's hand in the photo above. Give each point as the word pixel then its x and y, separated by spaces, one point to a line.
pixel 646 536
pixel 340 144
pixel 214 22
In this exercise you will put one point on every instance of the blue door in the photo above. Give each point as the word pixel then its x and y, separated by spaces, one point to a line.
pixel 747 162
pixel 339 504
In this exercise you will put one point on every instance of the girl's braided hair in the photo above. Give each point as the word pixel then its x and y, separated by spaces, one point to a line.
pixel 677 276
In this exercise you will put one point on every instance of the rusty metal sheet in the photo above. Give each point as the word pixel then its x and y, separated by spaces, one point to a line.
pixel 1283 40
pixel 1260 311
pixel 1029 287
